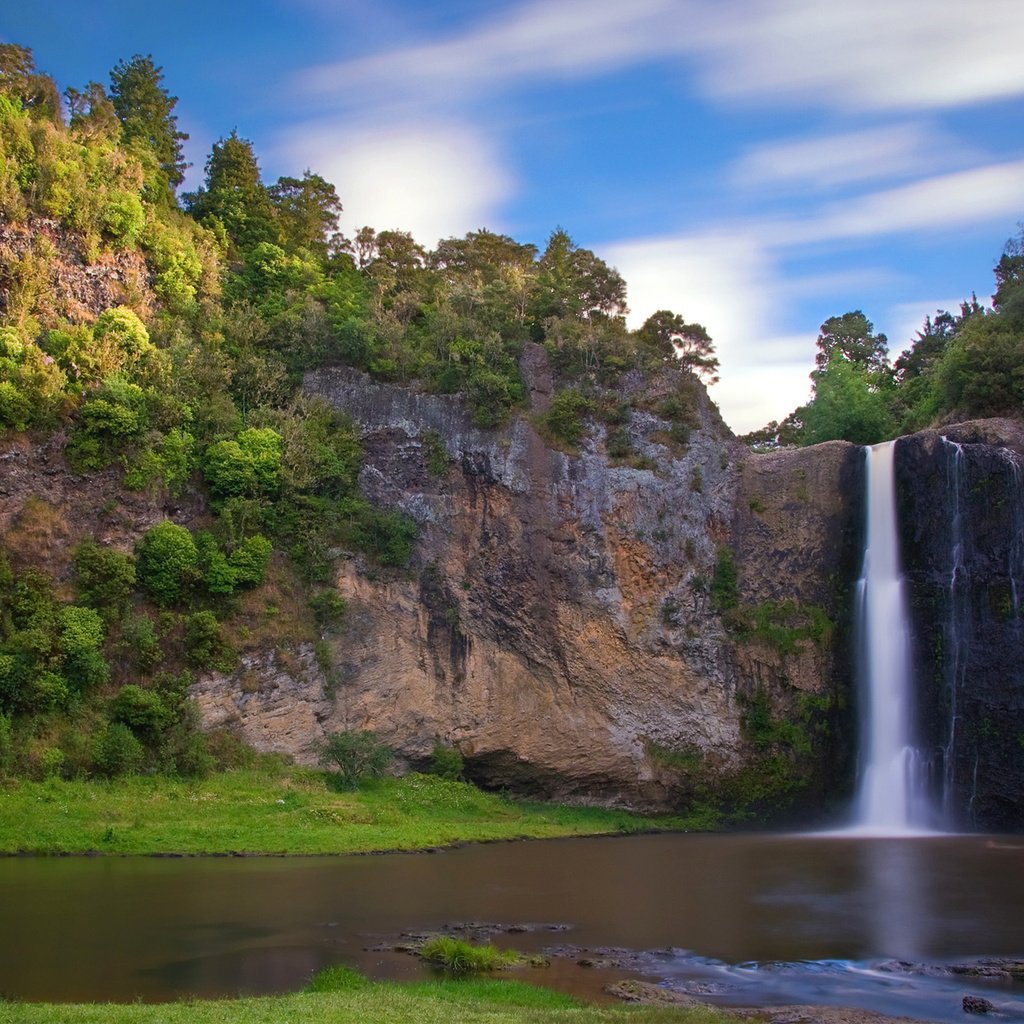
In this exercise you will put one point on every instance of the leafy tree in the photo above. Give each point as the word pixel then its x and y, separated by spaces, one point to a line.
pixel 354 757
pixel 248 466
pixel 105 577
pixel 20 78
pixel 564 418
pixel 307 212
pixel 81 642
pixel 982 371
pixel 168 562
pixel 92 112
pixel 851 337
pixel 146 112
pixel 667 334
pixel 235 200
pixel 847 406
pixel 118 751
pixel 574 282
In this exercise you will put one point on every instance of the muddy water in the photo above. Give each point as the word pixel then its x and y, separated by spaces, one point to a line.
pixel 745 918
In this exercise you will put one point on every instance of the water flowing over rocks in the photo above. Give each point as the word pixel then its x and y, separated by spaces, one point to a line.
pixel 965 568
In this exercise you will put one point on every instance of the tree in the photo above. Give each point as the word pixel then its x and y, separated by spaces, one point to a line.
pixel 850 337
pixel 92 112
pixel 668 334
pixel 145 110
pixel 168 562
pixel 234 197
pixel 846 406
pixel 19 78
pixel 307 212
pixel 355 756
pixel 574 282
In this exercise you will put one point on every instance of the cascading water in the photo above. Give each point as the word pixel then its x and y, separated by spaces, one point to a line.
pixel 892 791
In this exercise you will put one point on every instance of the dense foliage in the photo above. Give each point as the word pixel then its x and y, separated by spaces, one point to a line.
pixel 960 365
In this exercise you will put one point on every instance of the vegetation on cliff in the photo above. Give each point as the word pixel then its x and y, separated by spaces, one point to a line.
pixel 183 374
pixel 960 366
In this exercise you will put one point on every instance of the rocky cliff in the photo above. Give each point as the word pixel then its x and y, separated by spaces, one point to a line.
pixel 962 526
pixel 569 622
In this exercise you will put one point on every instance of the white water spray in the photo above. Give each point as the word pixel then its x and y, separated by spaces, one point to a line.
pixel 891 795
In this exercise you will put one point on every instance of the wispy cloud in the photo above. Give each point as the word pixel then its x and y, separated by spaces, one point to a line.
pixel 938 203
pixel 873 55
pixel 831 160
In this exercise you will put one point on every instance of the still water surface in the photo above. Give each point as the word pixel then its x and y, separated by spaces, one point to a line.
pixel 750 918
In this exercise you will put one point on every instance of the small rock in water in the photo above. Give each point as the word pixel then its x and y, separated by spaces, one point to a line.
pixel 975 1004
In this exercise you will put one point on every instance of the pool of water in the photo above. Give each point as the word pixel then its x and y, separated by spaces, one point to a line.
pixel 745 918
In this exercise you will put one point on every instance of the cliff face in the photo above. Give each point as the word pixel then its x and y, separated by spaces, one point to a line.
pixel 962 527
pixel 559 624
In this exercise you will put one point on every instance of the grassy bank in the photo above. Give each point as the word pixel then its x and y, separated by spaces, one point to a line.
pixel 469 1002
pixel 275 809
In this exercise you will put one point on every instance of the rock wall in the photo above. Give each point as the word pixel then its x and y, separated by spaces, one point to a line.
pixel 961 498
pixel 556 624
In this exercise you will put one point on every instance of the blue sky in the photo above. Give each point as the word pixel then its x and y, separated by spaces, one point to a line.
pixel 756 165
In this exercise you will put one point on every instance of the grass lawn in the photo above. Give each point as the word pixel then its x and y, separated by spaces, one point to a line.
pixel 362 1002
pixel 276 809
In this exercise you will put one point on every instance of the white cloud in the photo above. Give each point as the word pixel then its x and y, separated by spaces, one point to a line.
pixel 730 285
pixel 872 54
pixel 537 40
pixel 431 179
pixel 846 158
pixel 938 203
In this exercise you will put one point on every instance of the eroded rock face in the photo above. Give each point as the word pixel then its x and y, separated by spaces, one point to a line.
pixel 77 288
pixel 556 625
pixel 962 535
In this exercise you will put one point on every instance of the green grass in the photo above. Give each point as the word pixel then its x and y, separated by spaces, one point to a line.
pixel 274 809
pixel 459 958
pixel 357 1000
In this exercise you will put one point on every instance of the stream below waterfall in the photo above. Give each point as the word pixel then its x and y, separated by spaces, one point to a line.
pixel 737 919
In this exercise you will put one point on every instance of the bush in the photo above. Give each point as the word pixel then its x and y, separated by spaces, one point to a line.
pixel 105 577
pixel 117 751
pixel 6 745
pixel 328 608
pixel 205 644
pixel 168 562
pixel 356 756
pixel 81 641
pixel 564 419
pixel 142 710
pixel 447 762
pixel 337 978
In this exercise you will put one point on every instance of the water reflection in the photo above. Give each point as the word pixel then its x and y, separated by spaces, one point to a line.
pixel 825 911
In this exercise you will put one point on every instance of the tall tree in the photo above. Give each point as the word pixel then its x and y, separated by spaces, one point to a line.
pixel 234 197
pixel 574 282
pixel 146 112
pixel 851 337
pixel 307 212
pixel 667 334
pixel 19 78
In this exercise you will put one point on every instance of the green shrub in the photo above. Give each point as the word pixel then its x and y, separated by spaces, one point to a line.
pixel 458 958
pixel 6 745
pixel 81 642
pixel 140 644
pixel 248 466
pixel 144 711
pixel 250 560
pixel 724 584
pixel 328 608
pixel 205 643
pixel 355 756
pixel 447 762
pixel 118 751
pixel 564 419
pixel 168 562
pixel 105 577
pixel 51 763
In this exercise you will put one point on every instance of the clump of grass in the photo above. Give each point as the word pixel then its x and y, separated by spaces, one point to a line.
pixel 337 978
pixel 459 959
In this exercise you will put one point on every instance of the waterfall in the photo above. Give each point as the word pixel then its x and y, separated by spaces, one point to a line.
pixel 892 789
pixel 958 623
